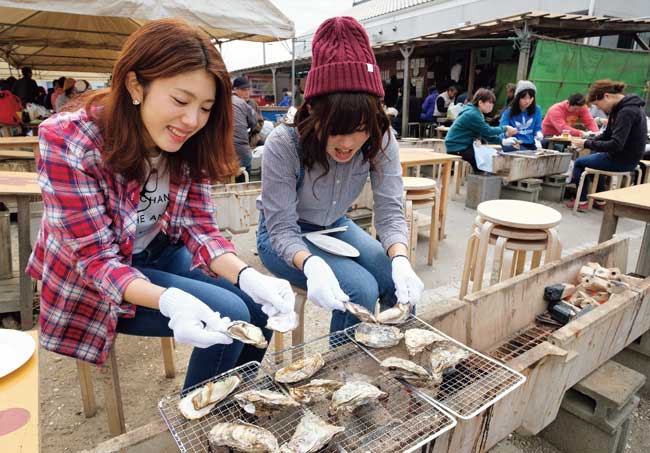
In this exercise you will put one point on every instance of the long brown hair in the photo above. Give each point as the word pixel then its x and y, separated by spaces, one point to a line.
pixel 598 89
pixel 160 49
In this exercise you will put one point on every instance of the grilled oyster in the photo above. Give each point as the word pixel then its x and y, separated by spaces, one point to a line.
pixel 445 355
pixel 361 312
pixel 242 436
pixel 300 370
pixel 377 336
pixel 405 369
pixel 264 402
pixel 316 390
pixel 418 339
pixel 352 395
pixel 200 402
pixel 395 315
pixel 311 435
pixel 247 333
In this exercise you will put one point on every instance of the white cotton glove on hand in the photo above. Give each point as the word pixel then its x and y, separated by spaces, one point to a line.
pixel 322 286
pixel 192 321
pixel 267 291
pixel 538 139
pixel 510 141
pixel 408 286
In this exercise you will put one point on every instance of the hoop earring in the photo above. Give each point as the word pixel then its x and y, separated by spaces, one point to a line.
pixel 136 102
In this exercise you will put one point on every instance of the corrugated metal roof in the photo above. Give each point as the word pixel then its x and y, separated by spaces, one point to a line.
pixel 374 8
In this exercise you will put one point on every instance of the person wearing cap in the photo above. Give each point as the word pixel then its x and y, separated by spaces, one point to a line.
pixel 244 119
pixel 315 168
pixel 66 95
pixel 242 88
pixel 524 115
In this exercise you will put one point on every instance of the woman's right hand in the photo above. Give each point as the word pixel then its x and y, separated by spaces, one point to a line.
pixel 510 131
pixel 192 321
pixel 322 285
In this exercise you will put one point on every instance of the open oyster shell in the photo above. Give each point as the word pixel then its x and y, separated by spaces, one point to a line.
pixel 405 369
pixel 242 437
pixel 394 315
pixel 300 370
pixel 264 402
pixel 316 390
pixel 361 312
pixel 247 333
pixel 199 402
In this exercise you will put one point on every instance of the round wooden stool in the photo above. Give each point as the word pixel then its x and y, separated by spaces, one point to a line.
pixel 422 193
pixel 510 225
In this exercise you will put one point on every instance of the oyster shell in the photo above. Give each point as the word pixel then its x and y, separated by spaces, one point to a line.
pixel 199 402
pixel 247 333
pixel 394 315
pixel 264 402
pixel 352 395
pixel 300 370
pixel 377 336
pixel 445 355
pixel 361 312
pixel 405 369
pixel 418 339
pixel 316 390
pixel 311 435
pixel 242 436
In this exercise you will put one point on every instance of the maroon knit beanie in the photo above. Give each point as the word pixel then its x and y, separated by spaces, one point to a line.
pixel 342 60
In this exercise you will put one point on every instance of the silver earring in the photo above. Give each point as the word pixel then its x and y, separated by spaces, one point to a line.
pixel 136 102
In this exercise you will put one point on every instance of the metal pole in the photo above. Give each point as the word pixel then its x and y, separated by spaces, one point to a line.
pixel 263 53
pixel 406 89
pixel 293 71
pixel 275 86
pixel 524 53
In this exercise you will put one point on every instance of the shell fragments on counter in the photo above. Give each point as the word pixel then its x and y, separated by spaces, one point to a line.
pixel 264 402
pixel 300 370
pixel 316 390
pixel 199 402
pixel 417 340
pixel 377 336
pixel 311 435
pixel 242 437
pixel 353 395
pixel 247 333
pixel 445 355
pixel 407 370
pixel 394 315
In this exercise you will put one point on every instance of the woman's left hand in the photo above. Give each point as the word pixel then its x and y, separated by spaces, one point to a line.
pixel 408 286
pixel 267 291
pixel 578 142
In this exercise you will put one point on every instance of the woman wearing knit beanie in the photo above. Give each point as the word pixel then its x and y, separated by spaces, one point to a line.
pixel 524 115
pixel 313 171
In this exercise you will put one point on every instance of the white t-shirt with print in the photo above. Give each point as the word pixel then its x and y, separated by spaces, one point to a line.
pixel 154 198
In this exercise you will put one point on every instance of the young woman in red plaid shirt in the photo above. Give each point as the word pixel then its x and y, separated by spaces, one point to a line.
pixel 128 242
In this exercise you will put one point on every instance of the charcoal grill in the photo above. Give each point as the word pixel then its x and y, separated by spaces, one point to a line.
pixel 401 423
pixel 523 341
pixel 477 383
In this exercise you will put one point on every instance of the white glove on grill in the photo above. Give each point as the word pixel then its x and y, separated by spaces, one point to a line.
pixel 322 286
pixel 266 290
pixel 408 286
pixel 192 321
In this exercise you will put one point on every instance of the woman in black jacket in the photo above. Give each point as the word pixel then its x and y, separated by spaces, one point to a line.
pixel 622 144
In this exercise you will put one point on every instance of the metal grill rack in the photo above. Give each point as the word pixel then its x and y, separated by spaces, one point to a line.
pixel 476 384
pixel 522 341
pixel 192 435
pixel 400 423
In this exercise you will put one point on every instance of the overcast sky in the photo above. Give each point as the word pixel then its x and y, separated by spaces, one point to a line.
pixel 305 15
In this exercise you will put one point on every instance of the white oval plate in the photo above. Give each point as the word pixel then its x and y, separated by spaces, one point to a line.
pixel 332 245
pixel 16 348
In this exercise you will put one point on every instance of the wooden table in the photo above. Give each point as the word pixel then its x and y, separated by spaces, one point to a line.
pixel 415 157
pixel 20 142
pixel 21 187
pixel 19 393
pixel 631 202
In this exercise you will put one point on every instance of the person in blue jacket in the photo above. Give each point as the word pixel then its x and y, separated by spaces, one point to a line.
pixel 524 115
pixel 470 125
pixel 429 105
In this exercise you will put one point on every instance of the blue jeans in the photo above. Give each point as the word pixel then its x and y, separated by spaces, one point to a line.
pixel 598 161
pixel 168 265
pixel 365 278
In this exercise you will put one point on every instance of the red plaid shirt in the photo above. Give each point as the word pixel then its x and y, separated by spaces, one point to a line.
pixel 84 247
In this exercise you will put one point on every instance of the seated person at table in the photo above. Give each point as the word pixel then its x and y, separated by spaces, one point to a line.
pixel 471 125
pixel 429 105
pixel 315 168
pixel 524 115
pixel 128 243
pixel 564 116
pixel 443 101
pixel 622 144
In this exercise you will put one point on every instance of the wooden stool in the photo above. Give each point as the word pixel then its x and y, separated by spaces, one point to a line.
pixel 518 226
pixel 618 179
pixel 111 381
pixel 421 193
pixel 645 165
pixel 462 168
pixel 298 334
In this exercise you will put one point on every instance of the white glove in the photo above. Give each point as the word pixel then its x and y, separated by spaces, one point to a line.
pixel 408 286
pixel 510 141
pixel 539 136
pixel 538 144
pixel 192 321
pixel 267 291
pixel 283 322
pixel 322 286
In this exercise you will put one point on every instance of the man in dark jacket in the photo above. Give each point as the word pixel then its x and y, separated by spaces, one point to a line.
pixel 622 144
pixel 26 88
pixel 245 119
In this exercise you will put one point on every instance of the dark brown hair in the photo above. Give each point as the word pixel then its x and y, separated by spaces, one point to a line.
pixel 598 89
pixel 577 100
pixel 160 49
pixel 485 95
pixel 339 114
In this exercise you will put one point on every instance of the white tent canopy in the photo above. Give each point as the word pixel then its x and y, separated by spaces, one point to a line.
pixel 63 35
